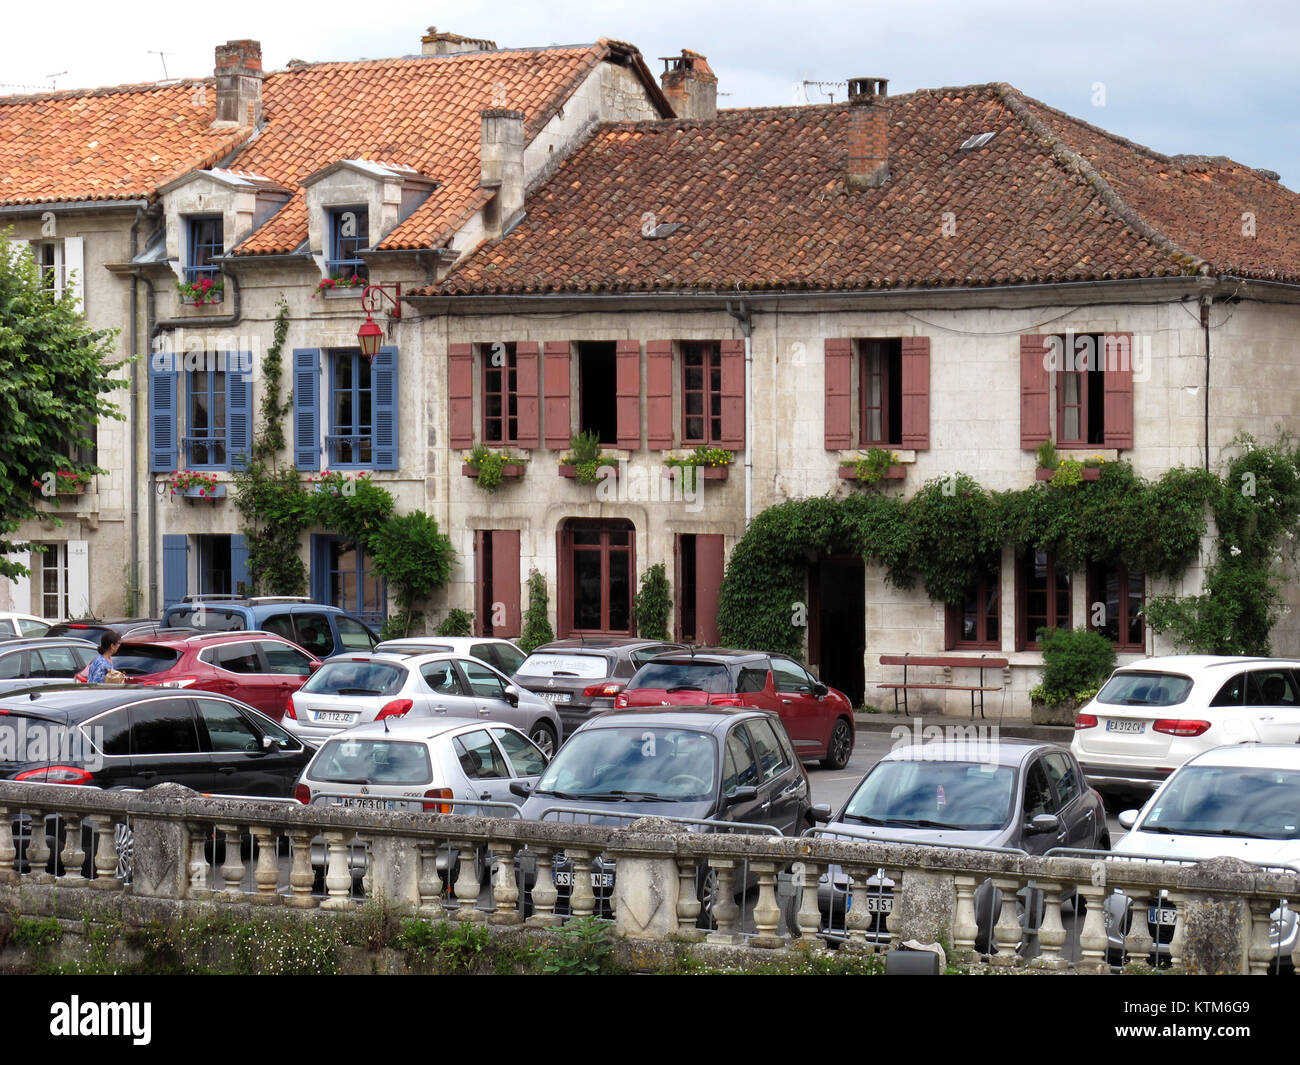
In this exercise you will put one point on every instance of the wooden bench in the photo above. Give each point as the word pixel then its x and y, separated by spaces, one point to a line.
pixel 943 662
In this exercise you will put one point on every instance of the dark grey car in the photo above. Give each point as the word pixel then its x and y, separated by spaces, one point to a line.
pixel 581 677
pixel 43 657
pixel 1015 794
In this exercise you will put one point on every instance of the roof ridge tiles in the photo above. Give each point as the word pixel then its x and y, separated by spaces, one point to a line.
pixel 16 99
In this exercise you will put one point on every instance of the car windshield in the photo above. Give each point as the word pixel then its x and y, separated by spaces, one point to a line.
pixel 356 678
pixel 137 660
pixel 637 763
pixel 1228 801
pixel 683 676
pixel 207 618
pixel 934 794
pixel 1145 689
pixel 378 761
pixel 554 664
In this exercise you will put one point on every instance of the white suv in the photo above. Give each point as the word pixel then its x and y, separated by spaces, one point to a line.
pixel 1153 715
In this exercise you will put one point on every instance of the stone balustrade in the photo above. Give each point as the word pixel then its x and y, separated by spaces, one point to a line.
pixel 762 891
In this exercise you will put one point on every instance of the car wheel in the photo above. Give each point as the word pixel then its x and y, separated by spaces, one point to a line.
pixel 707 892
pixel 124 844
pixel 840 746
pixel 544 736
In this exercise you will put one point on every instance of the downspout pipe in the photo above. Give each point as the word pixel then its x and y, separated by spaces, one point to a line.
pixel 133 482
pixel 742 315
pixel 1206 302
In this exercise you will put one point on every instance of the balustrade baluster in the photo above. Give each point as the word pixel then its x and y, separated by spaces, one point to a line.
pixel 1261 952
pixel 467 883
pixel 1007 932
pixel 73 855
pixel 1138 943
pixel 266 874
pixel 302 878
pixel 1180 930
pixel 38 849
pixel 505 891
pixel 8 852
pixel 338 871
pixel 429 883
pixel 964 926
pixel 726 914
pixel 105 853
pixel 1092 941
pixel 232 869
pixel 1051 935
pixel 544 894
pixel 809 917
pixel 767 914
pixel 582 899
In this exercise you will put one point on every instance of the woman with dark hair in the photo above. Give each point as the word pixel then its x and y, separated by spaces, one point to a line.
pixel 103 662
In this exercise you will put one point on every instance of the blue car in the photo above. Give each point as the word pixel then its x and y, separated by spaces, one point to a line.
pixel 322 630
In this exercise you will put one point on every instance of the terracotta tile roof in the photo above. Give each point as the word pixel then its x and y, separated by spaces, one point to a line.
pixel 107 144
pixel 763 204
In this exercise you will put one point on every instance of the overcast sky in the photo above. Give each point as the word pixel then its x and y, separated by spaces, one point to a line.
pixel 1194 77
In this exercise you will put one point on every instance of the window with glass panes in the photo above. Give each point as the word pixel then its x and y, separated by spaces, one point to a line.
pixel 500 395
pixel 351 410
pixel 205 246
pixel 1044 597
pixel 1080 389
pixel 349 235
pixel 205 439
pixel 701 392
pixel 1115 599
pixel 880 369
pixel 354 584
pixel 50 569
pixel 975 622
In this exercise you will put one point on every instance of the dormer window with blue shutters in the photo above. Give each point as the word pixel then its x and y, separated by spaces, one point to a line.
pixel 200 410
pixel 205 245
pixel 349 236
pixel 352 423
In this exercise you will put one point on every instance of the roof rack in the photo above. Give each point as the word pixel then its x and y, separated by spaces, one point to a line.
pixel 283 599
pixel 210 597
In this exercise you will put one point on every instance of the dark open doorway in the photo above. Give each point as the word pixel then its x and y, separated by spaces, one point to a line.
pixel 837 624
pixel 598 389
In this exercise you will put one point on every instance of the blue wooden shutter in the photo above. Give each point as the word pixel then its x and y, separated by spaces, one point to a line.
pixel 175 569
pixel 239 408
pixel 383 379
pixel 320 568
pixel 239 565
pixel 306 408
pixel 162 412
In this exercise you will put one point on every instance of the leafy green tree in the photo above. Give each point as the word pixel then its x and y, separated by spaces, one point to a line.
pixel 55 375
pixel 653 604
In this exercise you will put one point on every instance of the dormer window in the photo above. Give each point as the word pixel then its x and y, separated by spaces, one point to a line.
pixel 349 234
pixel 206 244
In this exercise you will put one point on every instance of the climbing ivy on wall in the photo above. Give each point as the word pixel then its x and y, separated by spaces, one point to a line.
pixel 949 532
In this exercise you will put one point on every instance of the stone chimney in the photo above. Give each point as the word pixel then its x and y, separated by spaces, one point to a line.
pixel 435 43
pixel 239 83
pixel 502 169
pixel 690 85
pixel 868 133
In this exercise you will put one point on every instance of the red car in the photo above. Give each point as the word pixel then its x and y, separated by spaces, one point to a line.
pixel 257 668
pixel 818 719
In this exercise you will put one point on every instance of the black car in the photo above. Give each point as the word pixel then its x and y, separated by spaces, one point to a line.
pixel 581 677
pixel 91 630
pixel 43 657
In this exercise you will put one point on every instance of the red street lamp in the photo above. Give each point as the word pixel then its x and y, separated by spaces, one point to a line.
pixel 370 335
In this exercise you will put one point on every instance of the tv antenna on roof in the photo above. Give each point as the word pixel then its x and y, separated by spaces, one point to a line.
pixel 54 86
pixel 162 56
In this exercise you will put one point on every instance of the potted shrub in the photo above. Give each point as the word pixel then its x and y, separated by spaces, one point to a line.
pixel 1076 663
pixel 1062 472
pixel 64 483
pixel 195 484
pixel 712 463
pixel 585 459
pixel 875 465
pixel 491 467
pixel 339 283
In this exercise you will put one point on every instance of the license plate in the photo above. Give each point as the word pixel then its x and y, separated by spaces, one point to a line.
pixel 557 697
pixel 872 903
pixel 598 880
pixel 366 804
pixel 1163 915
pixel 334 717
pixel 1125 726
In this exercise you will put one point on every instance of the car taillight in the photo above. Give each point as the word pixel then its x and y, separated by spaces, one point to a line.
pixel 1176 726
pixel 57 774
pixel 438 807
pixel 1085 721
pixel 290 710
pixel 596 691
pixel 620 700
pixel 725 700
pixel 396 708
pixel 302 793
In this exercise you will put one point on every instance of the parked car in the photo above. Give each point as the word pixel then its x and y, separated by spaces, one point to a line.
pixel 257 668
pixel 22 624
pixel 581 677
pixel 321 630
pixel 92 629
pixel 717 764
pixel 1150 717
pixel 819 719
pixel 502 654
pixel 354 690
pixel 1235 802
pixel 41 657
pixel 1019 794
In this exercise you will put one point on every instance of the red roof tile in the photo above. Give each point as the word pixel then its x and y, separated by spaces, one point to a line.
pixel 763 202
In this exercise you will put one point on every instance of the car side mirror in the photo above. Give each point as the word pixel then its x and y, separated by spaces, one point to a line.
pixel 313 666
pixel 749 793
pixel 821 812
pixel 1128 818
pixel 269 743
pixel 518 787
pixel 512 695
pixel 1041 824
pixel 820 690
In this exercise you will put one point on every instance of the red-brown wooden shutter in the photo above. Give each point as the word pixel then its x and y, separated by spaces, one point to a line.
pixel 527 400
pixel 505 583
pixel 733 395
pixel 556 385
pixel 460 393
pixel 916 393
pixel 628 388
pixel 709 568
pixel 1035 392
pixel 839 402
pixel 563 582
pixel 1117 382
pixel 480 588
pixel 659 394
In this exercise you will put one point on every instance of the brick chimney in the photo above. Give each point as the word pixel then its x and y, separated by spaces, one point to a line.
pixel 868 133
pixel 502 168
pixel 435 43
pixel 690 85
pixel 239 83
